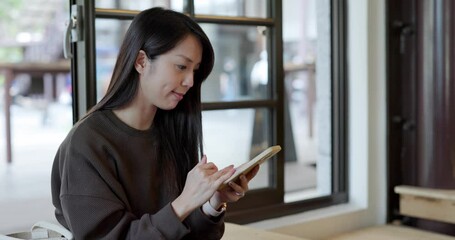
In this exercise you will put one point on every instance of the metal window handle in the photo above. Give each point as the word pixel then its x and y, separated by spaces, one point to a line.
pixel 405 124
pixel 73 30
pixel 67 42
pixel 406 30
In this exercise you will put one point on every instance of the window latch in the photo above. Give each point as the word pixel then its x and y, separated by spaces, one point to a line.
pixel 73 31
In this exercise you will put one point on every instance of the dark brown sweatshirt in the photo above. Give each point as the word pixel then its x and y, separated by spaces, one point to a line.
pixel 106 185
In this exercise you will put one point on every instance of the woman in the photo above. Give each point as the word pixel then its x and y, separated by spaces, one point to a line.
pixel 129 169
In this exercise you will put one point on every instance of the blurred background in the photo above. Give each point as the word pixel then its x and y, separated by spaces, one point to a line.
pixel 36 101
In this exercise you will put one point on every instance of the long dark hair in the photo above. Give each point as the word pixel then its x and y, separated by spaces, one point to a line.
pixel 157 31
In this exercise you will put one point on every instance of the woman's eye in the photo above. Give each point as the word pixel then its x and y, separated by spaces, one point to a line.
pixel 181 67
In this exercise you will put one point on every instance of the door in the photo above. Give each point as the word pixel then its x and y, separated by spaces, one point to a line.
pixel 421 100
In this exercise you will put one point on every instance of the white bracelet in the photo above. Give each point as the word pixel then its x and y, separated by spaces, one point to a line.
pixel 209 210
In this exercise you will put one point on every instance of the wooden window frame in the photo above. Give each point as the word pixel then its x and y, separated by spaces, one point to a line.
pixel 267 202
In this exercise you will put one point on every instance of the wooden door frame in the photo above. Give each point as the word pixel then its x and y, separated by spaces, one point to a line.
pixel 401 98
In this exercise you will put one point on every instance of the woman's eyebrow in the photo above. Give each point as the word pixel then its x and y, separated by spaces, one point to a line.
pixel 185 57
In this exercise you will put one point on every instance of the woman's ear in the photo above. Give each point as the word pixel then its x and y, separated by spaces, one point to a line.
pixel 141 61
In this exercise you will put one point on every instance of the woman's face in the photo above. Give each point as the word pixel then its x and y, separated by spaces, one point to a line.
pixel 165 80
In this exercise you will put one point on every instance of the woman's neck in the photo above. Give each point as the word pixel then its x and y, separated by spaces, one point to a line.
pixel 136 116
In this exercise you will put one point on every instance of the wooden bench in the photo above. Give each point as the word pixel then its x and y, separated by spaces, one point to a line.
pixel 425 203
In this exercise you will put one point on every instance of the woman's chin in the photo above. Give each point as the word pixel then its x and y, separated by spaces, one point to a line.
pixel 169 106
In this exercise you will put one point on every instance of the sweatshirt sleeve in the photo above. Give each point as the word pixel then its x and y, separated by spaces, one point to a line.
pixel 212 228
pixel 93 206
pixel 96 218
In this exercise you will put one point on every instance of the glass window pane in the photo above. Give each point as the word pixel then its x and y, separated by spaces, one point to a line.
pixel 176 5
pixel 35 104
pixel 241 64
pixel 235 136
pixel 307 64
pixel 109 37
pixel 233 8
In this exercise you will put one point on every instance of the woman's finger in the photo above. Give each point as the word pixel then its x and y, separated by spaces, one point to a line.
pixel 239 190
pixel 204 165
pixel 244 182
pixel 251 174
pixel 223 175
pixel 203 160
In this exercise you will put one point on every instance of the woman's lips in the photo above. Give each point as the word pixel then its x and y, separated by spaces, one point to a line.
pixel 179 96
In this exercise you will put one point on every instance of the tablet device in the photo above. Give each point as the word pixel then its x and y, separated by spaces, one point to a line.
pixel 246 167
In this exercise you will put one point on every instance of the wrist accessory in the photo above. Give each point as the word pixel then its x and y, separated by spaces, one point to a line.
pixel 209 210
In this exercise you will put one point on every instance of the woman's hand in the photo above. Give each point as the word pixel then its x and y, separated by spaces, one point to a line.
pixel 235 191
pixel 201 184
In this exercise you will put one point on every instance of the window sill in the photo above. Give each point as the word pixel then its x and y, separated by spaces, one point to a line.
pixel 309 216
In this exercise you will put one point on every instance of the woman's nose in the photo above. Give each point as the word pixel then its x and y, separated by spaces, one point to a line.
pixel 189 80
